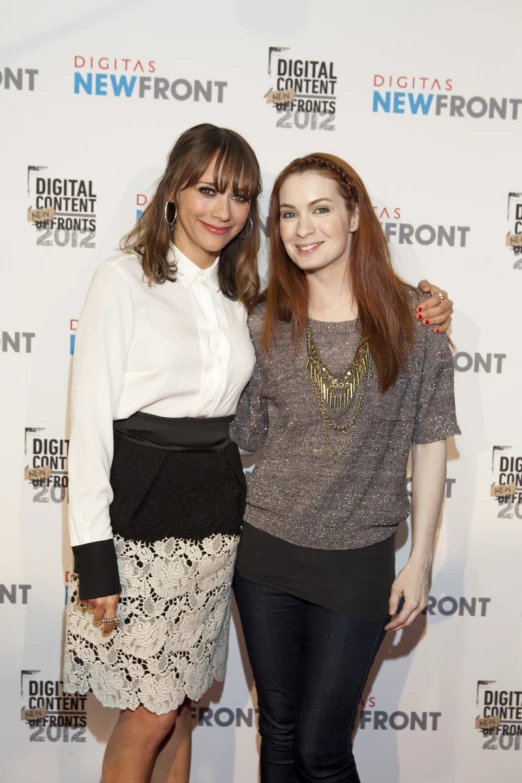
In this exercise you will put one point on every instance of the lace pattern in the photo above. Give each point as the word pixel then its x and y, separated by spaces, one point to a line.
pixel 172 640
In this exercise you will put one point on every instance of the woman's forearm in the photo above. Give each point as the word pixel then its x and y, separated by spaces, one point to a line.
pixel 428 483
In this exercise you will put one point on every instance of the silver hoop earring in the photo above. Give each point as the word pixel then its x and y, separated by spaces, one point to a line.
pixel 245 236
pixel 169 218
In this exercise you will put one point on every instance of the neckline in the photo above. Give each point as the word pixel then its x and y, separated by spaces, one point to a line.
pixel 180 253
pixel 188 271
pixel 315 321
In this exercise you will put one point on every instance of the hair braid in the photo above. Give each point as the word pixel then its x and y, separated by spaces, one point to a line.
pixel 317 160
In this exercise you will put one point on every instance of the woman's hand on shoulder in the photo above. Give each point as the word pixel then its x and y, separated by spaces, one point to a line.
pixel 437 309
pixel 101 609
pixel 412 584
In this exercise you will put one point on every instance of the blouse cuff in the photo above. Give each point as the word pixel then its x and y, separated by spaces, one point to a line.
pixel 97 569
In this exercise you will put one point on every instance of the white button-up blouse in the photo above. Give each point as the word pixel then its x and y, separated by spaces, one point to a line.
pixel 178 349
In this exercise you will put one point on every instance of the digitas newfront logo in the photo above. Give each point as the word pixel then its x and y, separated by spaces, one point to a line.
pixel 18 78
pixel 122 77
pixel 401 232
pixel 434 96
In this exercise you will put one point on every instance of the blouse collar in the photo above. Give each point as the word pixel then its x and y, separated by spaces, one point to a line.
pixel 188 271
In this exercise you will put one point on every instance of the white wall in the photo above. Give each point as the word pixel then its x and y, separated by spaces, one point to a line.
pixel 433 168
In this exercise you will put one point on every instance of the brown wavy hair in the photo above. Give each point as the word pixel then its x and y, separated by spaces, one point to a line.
pixel 237 166
pixel 383 299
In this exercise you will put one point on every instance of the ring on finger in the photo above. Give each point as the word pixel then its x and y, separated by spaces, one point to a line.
pixel 442 297
pixel 110 620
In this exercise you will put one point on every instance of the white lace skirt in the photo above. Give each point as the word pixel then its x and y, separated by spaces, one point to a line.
pixel 172 638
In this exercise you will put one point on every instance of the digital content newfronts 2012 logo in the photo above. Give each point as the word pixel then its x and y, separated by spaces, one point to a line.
pixel 499 717
pixel 51 715
pixel 18 78
pixel 62 210
pixel 433 96
pixel 46 471
pixel 401 232
pixel 303 92
pixel 506 486
pixel 122 77
pixel 514 232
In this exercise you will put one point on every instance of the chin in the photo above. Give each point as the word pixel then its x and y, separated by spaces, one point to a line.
pixel 310 264
pixel 214 243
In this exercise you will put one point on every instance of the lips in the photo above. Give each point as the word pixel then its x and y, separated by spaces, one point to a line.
pixel 309 248
pixel 217 230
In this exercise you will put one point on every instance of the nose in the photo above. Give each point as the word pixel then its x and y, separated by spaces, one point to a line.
pixel 304 226
pixel 221 208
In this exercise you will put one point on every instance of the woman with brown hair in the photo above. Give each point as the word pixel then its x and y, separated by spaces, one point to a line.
pixel 345 383
pixel 157 488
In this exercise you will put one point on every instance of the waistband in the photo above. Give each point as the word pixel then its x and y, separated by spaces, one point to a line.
pixel 183 434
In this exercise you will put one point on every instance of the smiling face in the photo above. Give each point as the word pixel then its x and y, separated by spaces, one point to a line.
pixel 207 220
pixel 315 224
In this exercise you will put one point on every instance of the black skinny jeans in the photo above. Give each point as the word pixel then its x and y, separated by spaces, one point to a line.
pixel 310 665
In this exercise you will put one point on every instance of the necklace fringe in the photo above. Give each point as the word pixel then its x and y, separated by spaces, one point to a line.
pixel 336 394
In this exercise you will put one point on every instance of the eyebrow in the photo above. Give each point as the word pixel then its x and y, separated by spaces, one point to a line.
pixel 315 201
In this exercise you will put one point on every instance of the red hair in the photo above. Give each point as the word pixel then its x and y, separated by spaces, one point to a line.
pixel 384 309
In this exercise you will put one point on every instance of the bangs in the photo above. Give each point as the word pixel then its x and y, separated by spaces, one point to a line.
pixel 236 167
pixel 236 171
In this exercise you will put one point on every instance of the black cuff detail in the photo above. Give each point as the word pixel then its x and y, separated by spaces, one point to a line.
pixel 97 569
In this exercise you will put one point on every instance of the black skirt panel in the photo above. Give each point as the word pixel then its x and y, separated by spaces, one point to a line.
pixel 160 493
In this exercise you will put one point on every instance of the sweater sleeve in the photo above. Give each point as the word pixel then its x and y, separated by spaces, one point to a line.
pixel 102 342
pixel 436 417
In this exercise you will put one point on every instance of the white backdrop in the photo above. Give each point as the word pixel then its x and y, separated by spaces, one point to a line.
pixel 425 101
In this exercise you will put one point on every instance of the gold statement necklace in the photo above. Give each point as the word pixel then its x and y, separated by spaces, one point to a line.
pixel 336 395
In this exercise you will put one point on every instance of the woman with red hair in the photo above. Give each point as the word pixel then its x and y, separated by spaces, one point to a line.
pixel 345 383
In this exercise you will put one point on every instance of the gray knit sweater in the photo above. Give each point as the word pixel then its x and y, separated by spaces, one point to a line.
pixel 300 492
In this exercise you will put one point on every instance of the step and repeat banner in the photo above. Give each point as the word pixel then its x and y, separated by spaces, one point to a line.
pixel 425 102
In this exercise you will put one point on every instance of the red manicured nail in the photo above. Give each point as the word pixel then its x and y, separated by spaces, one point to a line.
pixel 419 309
pixel 437 331
pixel 426 322
pixel 419 317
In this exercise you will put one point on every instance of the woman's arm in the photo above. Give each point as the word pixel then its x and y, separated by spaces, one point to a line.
pixel 102 342
pixel 428 483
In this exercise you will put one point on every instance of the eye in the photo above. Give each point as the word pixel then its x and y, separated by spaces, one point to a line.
pixel 287 215
pixel 241 199
pixel 207 191
pixel 322 210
